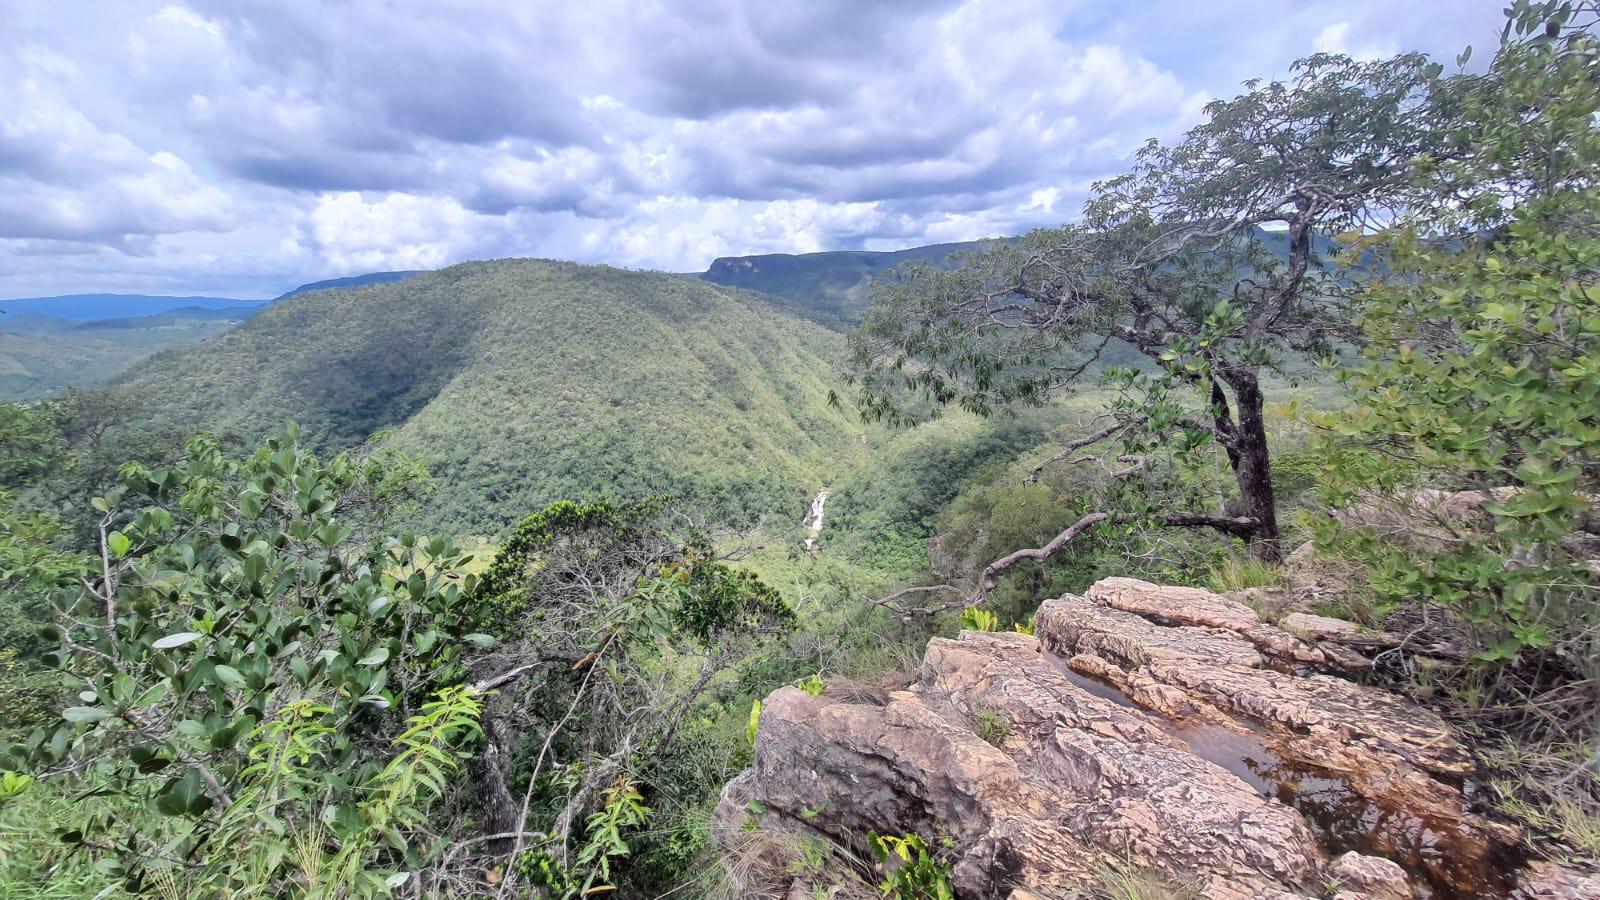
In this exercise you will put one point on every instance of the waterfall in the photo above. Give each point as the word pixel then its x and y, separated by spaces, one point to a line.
pixel 813 519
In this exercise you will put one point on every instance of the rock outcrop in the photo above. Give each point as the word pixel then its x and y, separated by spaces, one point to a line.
pixel 1434 520
pixel 1169 729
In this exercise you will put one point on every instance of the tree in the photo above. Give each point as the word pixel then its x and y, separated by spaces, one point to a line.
pixel 1481 365
pixel 1172 264
pixel 613 620
pixel 37 561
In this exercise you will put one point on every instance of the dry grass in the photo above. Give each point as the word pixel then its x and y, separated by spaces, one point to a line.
pixel 1271 604
pixel 756 863
pixel 1553 788
pixel 1536 737
pixel 1127 881
pixel 759 863
pixel 1237 573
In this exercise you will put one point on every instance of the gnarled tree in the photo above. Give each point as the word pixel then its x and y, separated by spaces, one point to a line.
pixel 1205 263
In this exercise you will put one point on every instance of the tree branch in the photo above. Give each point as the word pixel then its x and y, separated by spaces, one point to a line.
pixel 1238 526
pixel 1074 446
pixel 992 572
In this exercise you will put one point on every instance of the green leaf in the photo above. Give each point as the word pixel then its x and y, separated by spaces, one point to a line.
pixel 152 694
pixel 754 722
pixel 230 677
pixel 82 714
pixel 176 640
pixel 376 658
pixel 184 796
pixel 118 543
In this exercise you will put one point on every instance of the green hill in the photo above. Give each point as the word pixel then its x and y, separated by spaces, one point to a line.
pixel 522 381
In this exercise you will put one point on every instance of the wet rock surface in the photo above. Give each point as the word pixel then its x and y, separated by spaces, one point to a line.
pixel 1166 728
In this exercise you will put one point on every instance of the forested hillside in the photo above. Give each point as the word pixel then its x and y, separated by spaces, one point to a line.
pixel 1236 536
pixel 518 382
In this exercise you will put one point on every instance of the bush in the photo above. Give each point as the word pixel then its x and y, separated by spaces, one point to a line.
pixel 266 668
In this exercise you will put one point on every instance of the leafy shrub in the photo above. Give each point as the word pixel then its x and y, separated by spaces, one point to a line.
pixel 912 870
pixel 1481 368
pixel 619 626
pixel 1483 371
pixel 256 651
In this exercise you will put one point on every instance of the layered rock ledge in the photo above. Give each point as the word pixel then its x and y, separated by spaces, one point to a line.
pixel 1168 729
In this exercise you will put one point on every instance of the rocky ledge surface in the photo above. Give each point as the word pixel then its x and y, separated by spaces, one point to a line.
pixel 1168 729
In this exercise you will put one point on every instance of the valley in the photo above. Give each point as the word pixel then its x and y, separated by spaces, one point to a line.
pixel 1234 534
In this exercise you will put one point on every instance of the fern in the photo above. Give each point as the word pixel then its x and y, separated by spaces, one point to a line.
pixel 273 832
pixel 420 770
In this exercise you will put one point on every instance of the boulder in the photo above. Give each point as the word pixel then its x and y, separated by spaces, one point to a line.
pixel 1549 881
pixel 1166 728
pixel 1370 876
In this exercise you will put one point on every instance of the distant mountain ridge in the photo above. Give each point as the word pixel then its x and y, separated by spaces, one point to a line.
pixel 830 286
pixel 102 307
pixel 350 281
pixel 48 344
pixel 89 307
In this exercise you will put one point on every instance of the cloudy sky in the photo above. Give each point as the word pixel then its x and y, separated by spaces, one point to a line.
pixel 238 147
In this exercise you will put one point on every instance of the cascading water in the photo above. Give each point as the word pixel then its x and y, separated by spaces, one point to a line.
pixel 813 519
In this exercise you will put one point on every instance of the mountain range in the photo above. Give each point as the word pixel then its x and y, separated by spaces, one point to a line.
pixel 83 340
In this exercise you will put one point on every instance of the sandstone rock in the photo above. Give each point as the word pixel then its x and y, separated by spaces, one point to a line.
pixel 1078 625
pixel 1166 727
pixel 1339 631
pixel 1549 881
pixel 1301 555
pixel 1370 876
pixel 1194 606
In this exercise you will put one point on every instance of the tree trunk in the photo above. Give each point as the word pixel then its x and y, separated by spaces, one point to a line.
pixel 1252 467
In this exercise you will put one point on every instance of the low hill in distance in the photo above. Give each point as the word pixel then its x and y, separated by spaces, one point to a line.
pixel 41 355
pixel 85 340
pixel 519 382
pixel 87 307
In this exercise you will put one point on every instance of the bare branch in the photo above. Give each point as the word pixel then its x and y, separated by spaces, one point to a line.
pixel 1074 446
pixel 1238 526
pixel 992 572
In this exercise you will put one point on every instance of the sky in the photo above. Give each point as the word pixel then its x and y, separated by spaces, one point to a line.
pixel 238 148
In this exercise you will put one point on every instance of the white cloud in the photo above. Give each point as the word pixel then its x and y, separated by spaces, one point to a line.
pixel 1333 39
pixel 210 145
pixel 398 231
